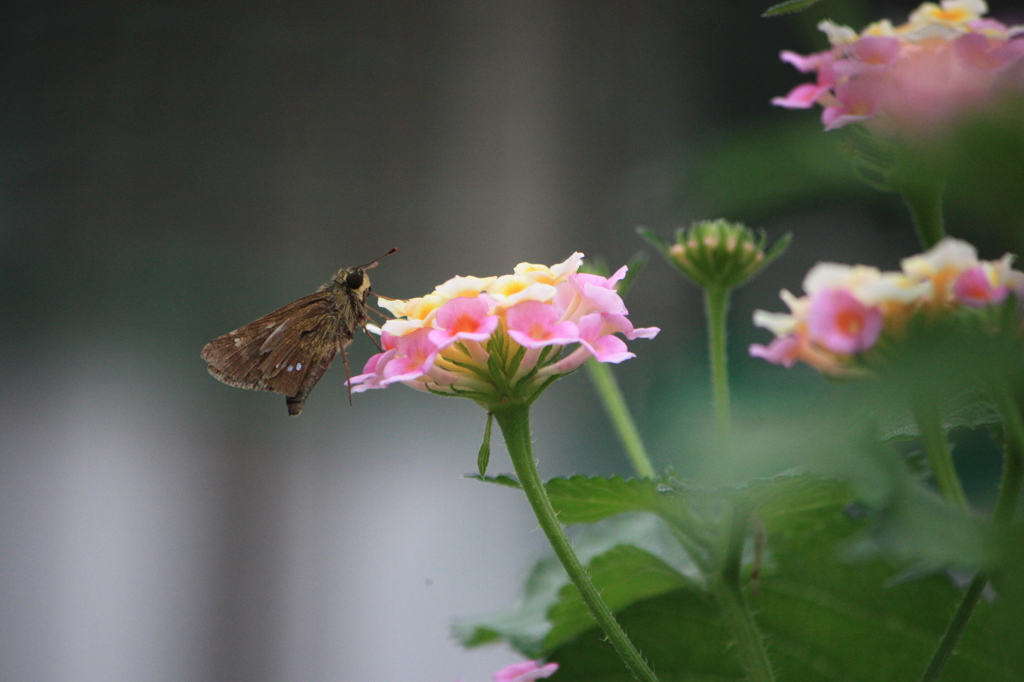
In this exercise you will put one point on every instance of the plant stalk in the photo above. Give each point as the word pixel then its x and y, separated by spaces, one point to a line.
pixel 936 446
pixel 925 204
pixel 955 629
pixel 615 406
pixel 716 306
pixel 1006 507
pixel 514 420
pixel 1013 462
pixel 728 591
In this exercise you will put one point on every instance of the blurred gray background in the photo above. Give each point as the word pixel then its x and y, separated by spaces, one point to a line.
pixel 171 171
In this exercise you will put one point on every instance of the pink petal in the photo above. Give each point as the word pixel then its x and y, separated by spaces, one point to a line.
pixel 617 276
pixel 622 325
pixel 608 348
pixel 973 289
pixel 882 50
pixel 840 323
pixel 811 62
pixel 834 118
pixel 857 99
pixel 533 324
pixel 525 672
pixel 413 358
pixel 801 97
pixel 577 297
pixel 604 347
pixel 643 333
pixel 372 372
pixel 463 318
pixel 596 280
pixel 604 300
pixel 782 351
pixel 604 282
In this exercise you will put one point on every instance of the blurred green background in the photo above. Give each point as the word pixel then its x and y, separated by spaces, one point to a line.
pixel 171 171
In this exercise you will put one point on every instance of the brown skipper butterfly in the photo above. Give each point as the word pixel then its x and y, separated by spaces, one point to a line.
pixel 289 350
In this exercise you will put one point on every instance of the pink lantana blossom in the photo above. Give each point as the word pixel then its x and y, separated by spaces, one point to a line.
pixel 944 61
pixel 463 319
pixel 973 288
pixel 533 324
pixel 503 338
pixel 840 323
pixel 526 671
pixel 598 337
pixel 412 355
pixel 848 309
pixel 947 262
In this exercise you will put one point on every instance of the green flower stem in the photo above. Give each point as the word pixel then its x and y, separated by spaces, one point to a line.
pixel 1006 506
pixel 727 585
pixel 1013 461
pixel 955 629
pixel 925 204
pixel 727 588
pixel 716 306
pixel 615 405
pixel 514 420
pixel 936 446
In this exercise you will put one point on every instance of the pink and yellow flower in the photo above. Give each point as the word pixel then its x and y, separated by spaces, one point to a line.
pixel 848 309
pixel 944 61
pixel 502 338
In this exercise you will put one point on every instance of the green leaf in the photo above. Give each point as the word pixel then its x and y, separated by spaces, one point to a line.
pixel 500 479
pixel 1010 617
pixel 628 575
pixel 910 523
pixel 580 499
pixel 825 620
pixel 550 612
pixel 968 410
pixel 792 502
pixel 654 239
pixel 529 624
pixel 788 7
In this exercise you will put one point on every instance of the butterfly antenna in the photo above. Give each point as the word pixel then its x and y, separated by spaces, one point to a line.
pixel 373 264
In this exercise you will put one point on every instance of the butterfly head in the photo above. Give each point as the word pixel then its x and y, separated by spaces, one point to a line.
pixel 354 279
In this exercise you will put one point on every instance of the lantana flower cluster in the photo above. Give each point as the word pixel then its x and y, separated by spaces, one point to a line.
pixel 502 338
pixel 848 309
pixel 945 60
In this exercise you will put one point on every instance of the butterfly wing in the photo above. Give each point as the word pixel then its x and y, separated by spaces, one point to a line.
pixel 286 351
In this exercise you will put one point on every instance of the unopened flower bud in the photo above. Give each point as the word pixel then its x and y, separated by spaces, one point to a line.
pixel 717 253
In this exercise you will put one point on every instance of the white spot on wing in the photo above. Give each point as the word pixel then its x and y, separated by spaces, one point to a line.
pixel 291 368
pixel 298 365
pixel 238 341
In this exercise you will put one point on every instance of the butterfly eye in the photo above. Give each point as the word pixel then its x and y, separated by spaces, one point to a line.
pixel 354 279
